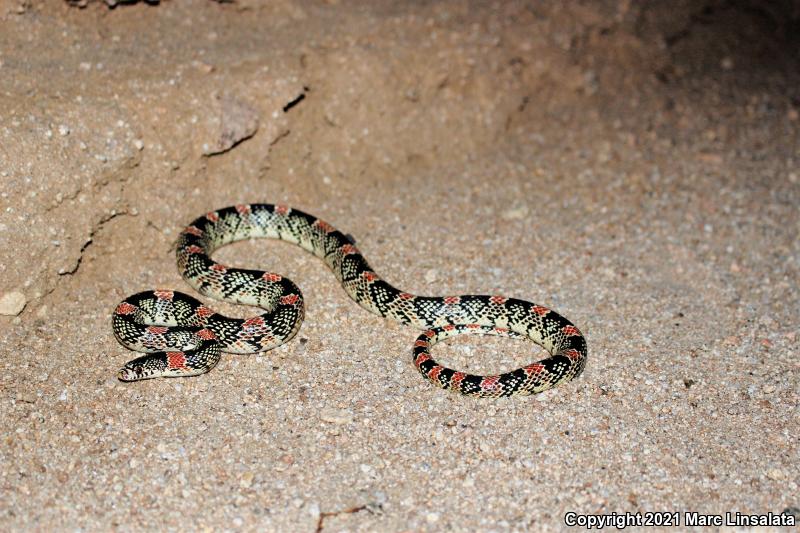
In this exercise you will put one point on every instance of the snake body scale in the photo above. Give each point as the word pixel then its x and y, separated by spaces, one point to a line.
pixel 183 337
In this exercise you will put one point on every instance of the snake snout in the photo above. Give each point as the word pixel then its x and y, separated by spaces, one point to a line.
pixel 129 374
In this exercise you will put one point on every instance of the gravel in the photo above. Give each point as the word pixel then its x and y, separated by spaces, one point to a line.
pixel 634 167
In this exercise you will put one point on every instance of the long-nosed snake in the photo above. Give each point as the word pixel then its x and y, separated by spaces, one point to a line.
pixel 183 337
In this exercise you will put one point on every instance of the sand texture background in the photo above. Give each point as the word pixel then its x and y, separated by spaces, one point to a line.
pixel 635 168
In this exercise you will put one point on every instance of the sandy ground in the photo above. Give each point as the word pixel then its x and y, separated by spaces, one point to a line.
pixel 636 169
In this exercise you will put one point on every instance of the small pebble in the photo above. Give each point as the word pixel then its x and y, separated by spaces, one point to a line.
pixel 203 67
pixel 246 481
pixel 26 397
pixel 138 144
pixel 12 303
pixel 518 213
pixel 336 416
pixel 63 130
pixel 775 474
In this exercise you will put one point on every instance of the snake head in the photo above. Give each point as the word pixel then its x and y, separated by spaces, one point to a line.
pixel 148 366
pixel 174 364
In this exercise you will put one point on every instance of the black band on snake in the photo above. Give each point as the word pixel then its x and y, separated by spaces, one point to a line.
pixel 183 337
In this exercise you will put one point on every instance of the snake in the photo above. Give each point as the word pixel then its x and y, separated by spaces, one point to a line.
pixel 181 336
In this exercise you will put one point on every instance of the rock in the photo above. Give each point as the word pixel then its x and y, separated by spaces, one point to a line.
pixel 236 121
pixel 12 303
pixel 26 397
pixel 518 213
pixel 775 474
pixel 246 481
pixel 336 416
